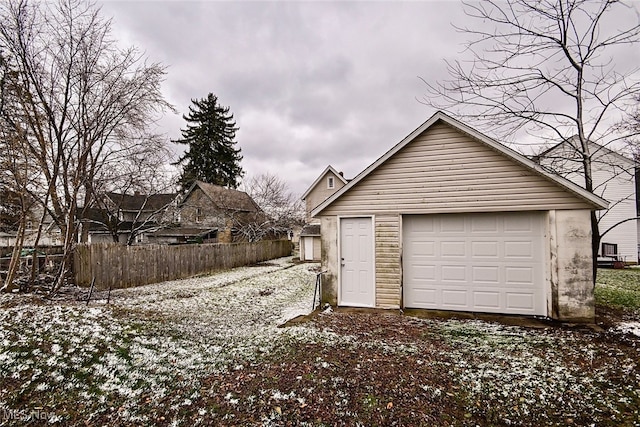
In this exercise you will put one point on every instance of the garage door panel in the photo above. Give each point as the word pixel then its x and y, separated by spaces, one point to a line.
pixel 524 302
pixel 425 297
pixel 520 249
pixel 485 275
pixel 454 298
pixel 451 224
pixel 423 273
pixel 484 224
pixel 425 249
pixel 453 249
pixel 485 249
pixel 519 224
pixel 519 276
pixel 475 262
pixel 487 300
pixel 454 273
pixel 423 227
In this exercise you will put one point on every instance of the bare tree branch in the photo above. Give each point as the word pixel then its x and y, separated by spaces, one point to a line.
pixel 81 99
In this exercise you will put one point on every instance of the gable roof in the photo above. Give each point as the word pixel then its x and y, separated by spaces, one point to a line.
pixel 321 177
pixel 225 198
pixel 599 147
pixel 310 230
pixel 141 202
pixel 575 189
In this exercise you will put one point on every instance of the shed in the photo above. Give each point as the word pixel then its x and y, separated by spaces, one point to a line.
pixel 310 242
pixel 450 219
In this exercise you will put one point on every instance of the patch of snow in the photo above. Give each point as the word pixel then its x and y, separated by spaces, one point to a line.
pixel 632 328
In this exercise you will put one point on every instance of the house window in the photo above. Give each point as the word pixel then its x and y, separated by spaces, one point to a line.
pixel 330 183
pixel 609 249
pixel 198 215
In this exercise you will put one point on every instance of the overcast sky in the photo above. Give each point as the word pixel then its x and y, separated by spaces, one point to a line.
pixel 309 83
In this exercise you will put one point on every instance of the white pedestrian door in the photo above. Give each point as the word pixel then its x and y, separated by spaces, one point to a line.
pixel 308 248
pixel 356 258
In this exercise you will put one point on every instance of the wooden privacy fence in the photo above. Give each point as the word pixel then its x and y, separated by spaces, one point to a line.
pixel 118 266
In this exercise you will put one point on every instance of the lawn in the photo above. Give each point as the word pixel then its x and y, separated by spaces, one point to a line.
pixel 619 289
pixel 208 351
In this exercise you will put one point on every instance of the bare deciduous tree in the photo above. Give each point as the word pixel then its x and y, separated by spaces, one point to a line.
pixel 283 209
pixel 551 67
pixel 18 176
pixel 138 170
pixel 80 97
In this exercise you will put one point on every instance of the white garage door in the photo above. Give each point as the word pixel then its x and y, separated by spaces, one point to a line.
pixel 475 262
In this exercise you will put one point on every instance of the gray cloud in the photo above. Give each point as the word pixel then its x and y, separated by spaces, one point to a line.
pixel 309 83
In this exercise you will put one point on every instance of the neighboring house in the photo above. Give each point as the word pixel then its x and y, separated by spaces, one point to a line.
pixel 50 235
pixel 206 213
pixel 227 215
pixel 614 179
pixel 324 186
pixel 450 219
pixel 128 219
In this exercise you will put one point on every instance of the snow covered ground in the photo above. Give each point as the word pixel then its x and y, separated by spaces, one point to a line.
pixel 149 340
pixel 149 356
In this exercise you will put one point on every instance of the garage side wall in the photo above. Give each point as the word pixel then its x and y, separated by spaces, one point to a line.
pixel 573 291
pixel 329 259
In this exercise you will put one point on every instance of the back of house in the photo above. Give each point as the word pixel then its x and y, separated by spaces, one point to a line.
pixel 614 179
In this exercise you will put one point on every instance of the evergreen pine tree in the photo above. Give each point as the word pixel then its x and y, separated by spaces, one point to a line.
pixel 211 156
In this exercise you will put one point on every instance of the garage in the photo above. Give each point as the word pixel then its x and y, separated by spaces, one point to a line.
pixel 475 262
pixel 460 222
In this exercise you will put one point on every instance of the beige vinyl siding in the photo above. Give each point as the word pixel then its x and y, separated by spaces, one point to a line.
pixel 321 192
pixel 387 261
pixel 445 171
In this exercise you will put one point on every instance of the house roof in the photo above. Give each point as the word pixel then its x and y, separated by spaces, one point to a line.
pixel 321 177
pixel 141 202
pixel 93 218
pixel 580 192
pixel 310 230
pixel 225 198
pixel 599 147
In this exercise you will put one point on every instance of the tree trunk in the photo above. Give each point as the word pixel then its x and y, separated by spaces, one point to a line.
pixel 66 264
pixel 14 264
pixel 595 244
pixel 34 262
